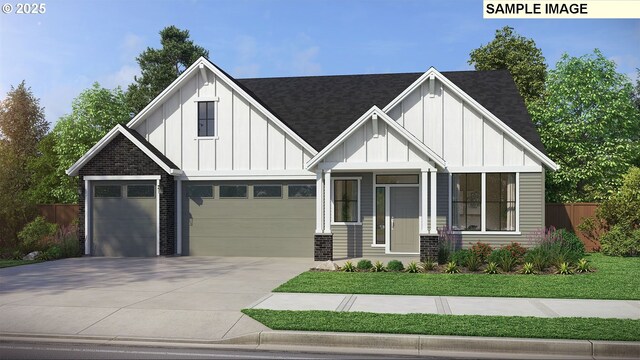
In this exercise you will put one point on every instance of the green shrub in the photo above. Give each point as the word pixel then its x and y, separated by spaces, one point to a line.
pixel 448 239
pixel 507 262
pixel 364 265
pixel 620 241
pixel 617 218
pixel 69 244
pixel 528 269
pixel 412 267
pixel 564 269
pixel 378 267
pixel 481 250
pixel 497 254
pixel 348 267
pixel 473 262
pixel 395 265
pixel 427 265
pixel 492 268
pixel 540 258
pixel 451 268
pixel 461 256
pixel 52 253
pixel 32 237
pixel 583 266
pixel 516 250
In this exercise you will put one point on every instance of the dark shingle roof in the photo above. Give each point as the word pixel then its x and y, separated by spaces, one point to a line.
pixel 151 148
pixel 319 108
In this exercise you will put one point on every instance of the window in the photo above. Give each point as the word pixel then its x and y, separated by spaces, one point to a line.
pixel 345 200
pixel 141 191
pixel 381 215
pixel 107 191
pixel 200 191
pixel 233 191
pixel 206 118
pixel 302 191
pixel 501 202
pixel 397 179
pixel 466 202
pixel 267 191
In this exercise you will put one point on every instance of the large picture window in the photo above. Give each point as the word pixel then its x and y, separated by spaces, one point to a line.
pixel 466 211
pixel 206 118
pixel 345 200
pixel 501 202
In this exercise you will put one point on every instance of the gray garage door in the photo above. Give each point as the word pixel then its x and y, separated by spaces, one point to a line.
pixel 248 219
pixel 124 218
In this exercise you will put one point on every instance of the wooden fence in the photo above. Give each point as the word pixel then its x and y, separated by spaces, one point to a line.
pixel 569 216
pixel 61 214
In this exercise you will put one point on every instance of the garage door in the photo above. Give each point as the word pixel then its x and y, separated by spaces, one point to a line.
pixel 124 218
pixel 248 219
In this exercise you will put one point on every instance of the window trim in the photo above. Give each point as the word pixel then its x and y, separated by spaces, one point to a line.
pixel 483 230
pixel 215 101
pixel 358 179
pixel 313 194
pixel 253 192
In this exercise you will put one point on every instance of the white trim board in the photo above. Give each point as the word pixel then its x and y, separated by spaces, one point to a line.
pixel 122 177
pixel 194 68
pixel 373 111
pixel 433 73
pixel 118 129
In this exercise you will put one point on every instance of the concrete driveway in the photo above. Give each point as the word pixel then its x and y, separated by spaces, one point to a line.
pixel 195 298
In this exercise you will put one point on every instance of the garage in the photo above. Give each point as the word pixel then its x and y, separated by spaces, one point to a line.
pixel 124 218
pixel 248 218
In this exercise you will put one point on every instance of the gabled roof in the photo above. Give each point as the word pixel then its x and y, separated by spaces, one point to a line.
pixel 374 110
pixel 155 155
pixel 319 108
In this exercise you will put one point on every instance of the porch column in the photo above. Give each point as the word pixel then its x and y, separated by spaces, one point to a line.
pixel 434 197
pixel 179 216
pixel 424 201
pixel 319 202
pixel 327 202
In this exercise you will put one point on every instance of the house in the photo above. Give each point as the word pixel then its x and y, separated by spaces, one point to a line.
pixel 326 166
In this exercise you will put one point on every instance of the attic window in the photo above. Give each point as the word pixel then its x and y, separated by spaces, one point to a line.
pixel 206 118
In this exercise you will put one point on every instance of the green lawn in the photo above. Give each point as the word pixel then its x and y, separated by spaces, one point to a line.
pixel 10 263
pixel 464 325
pixel 615 278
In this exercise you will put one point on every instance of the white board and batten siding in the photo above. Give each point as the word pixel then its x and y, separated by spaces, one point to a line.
pixel 245 138
pixel 362 146
pixel 456 131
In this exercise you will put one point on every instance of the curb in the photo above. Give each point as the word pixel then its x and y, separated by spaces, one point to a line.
pixel 423 345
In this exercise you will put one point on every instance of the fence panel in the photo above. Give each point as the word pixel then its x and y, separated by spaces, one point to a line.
pixel 569 216
pixel 61 214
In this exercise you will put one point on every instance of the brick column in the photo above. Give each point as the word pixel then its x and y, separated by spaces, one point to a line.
pixel 323 247
pixel 428 247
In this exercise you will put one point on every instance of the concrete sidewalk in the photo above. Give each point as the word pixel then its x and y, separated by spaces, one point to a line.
pixel 452 305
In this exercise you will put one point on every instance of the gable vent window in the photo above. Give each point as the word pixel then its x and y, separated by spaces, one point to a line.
pixel 206 118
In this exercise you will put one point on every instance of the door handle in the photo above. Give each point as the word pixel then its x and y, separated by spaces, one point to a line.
pixel 393 223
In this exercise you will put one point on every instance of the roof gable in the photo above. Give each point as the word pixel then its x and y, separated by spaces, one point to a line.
pixel 382 116
pixel 137 140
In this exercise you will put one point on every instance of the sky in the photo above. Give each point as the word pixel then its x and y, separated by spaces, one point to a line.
pixel 76 43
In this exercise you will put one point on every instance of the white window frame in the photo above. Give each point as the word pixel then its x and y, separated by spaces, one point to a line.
pixel 215 101
pixel 359 180
pixel 483 205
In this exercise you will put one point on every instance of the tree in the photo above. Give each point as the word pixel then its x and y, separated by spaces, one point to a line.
pixel 159 67
pixel 94 112
pixel 22 125
pixel 636 90
pixel 589 126
pixel 43 169
pixel 517 54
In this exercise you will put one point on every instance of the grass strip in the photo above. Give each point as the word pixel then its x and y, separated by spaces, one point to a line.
pixel 459 325
pixel 10 263
pixel 615 278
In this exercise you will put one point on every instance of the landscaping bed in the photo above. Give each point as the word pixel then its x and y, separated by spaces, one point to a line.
pixel 616 278
pixel 461 325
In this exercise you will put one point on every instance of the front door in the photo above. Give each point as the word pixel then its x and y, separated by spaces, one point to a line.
pixel 403 213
